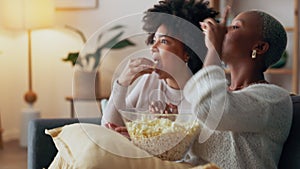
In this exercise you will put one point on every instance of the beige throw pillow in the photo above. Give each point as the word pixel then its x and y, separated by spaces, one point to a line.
pixel 90 146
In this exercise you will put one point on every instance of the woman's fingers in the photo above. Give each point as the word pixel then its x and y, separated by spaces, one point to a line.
pixel 208 24
pixel 141 69
pixel 140 66
pixel 210 21
pixel 225 15
pixel 141 61
pixel 111 125
pixel 134 69
pixel 122 130
pixel 215 32
pixel 157 107
pixel 203 26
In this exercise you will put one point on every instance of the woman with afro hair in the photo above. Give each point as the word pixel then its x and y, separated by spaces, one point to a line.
pixel 174 38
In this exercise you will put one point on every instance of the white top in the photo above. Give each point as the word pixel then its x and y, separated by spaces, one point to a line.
pixel 139 95
pixel 247 128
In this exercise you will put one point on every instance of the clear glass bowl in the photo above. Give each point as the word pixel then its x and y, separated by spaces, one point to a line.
pixel 167 136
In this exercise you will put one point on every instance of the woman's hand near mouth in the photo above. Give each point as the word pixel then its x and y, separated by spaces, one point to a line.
pixel 136 68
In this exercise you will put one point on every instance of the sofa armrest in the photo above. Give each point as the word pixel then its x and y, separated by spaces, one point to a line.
pixel 41 149
pixel 291 150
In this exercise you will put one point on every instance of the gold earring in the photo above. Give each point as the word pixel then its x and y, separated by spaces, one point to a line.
pixel 187 59
pixel 254 54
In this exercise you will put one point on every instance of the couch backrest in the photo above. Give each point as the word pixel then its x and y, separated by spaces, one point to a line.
pixel 290 157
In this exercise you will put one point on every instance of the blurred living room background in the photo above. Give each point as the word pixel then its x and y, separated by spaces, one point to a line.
pixel 51 77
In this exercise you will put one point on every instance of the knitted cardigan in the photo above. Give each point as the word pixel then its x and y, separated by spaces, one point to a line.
pixel 242 129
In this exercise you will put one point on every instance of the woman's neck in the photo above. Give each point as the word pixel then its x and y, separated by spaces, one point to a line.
pixel 244 76
pixel 180 80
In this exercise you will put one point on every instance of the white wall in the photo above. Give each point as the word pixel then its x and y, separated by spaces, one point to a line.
pixel 52 78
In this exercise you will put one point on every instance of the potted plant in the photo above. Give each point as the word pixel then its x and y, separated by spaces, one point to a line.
pixel 113 43
pixel 86 77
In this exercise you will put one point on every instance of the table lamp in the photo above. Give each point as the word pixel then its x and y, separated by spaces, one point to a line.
pixel 27 15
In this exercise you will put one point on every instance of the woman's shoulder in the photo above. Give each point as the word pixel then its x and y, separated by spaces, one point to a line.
pixel 269 93
pixel 269 89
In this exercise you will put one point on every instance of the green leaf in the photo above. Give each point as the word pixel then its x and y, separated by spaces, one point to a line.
pixel 122 44
pixel 97 58
pixel 72 57
pixel 111 29
pixel 116 27
pixel 282 61
pixel 112 41
pixel 78 32
pixel 88 57
pixel 99 37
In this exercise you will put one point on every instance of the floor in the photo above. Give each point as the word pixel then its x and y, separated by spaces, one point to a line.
pixel 12 156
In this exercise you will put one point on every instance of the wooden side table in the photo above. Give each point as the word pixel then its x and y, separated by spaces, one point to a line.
pixel 71 100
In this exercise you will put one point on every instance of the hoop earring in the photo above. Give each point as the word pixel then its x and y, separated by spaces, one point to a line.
pixel 254 54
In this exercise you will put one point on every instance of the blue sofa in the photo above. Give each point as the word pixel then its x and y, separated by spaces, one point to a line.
pixel 41 149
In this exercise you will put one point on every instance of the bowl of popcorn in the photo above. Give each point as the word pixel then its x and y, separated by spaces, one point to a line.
pixel 166 136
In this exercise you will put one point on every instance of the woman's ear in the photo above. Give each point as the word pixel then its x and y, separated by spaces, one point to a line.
pixel 261 47
pixel 186 57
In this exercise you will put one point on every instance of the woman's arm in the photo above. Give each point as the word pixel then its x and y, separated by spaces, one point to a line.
pixel 214 37
pixel 126 97
pixel 247 110
pixel 134 69
pixel 116 101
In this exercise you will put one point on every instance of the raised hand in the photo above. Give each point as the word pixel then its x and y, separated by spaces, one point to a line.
pixel 134 69
pixel 215 32
pixel 214 37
